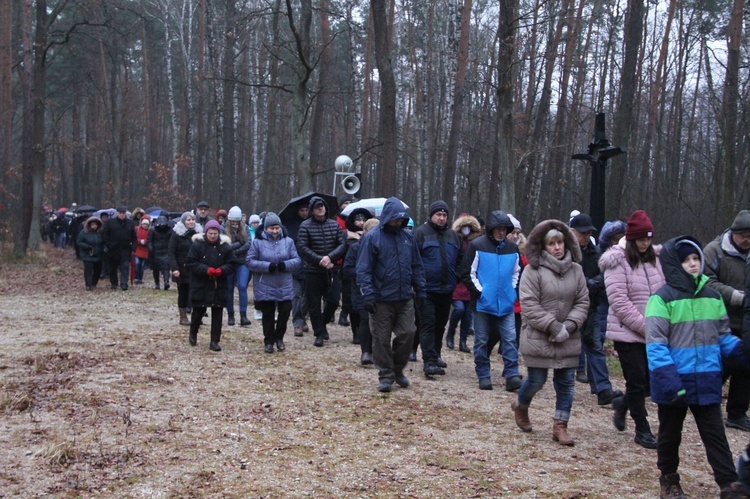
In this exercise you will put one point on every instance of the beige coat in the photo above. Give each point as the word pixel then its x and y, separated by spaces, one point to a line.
pixel 553 295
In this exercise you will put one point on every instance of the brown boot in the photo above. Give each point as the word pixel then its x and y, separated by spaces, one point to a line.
pixel 670 487
pixel 522 416
pixel 184 321
pixel 560 433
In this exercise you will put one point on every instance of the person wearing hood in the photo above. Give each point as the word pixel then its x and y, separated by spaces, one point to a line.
pixel 179 245
pixel 491 270
pixel 727 270
pixel 240 243
pixel 389 274
pixel 141 247
pixel 360 319
pixel 322 244
pixel 468 229
pixel 611 234
pixel 158 249
pixel 632 273
pixel 272 258
pixel 441 250
pixel 91 245
pixel 355 223
pixel 210 261
pixel 554 307
pixel 687 340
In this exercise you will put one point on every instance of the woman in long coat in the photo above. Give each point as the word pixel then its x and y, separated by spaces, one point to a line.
pixel 179 246
pixel 210 261
pixel 91 246
pixel 554 306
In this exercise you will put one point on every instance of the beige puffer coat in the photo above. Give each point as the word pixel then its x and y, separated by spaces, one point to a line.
pixel 553 295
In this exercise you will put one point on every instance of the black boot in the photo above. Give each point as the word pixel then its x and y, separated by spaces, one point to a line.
pixel 449 341
pixel 463 347
pixel 230 320
pixel 244 321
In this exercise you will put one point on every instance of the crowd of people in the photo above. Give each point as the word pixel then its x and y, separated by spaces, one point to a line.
pixel 676 313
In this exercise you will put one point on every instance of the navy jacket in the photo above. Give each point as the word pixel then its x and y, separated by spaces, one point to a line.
pixel 441 251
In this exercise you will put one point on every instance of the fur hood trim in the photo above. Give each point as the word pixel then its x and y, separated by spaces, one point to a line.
pixel 91 220
pixel 180 229
pixel 223 238
pixel 468 221
pixel 535 241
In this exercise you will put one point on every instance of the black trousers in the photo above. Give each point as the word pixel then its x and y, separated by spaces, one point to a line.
pixel 738 398
pixel 91 272
pixel 635 370
pixel 119 267
pixel 434 312
pixel 274 328
pixel 711 429
pixel 321 286
pixel 217 315
pixel 360 321
pixel 183 293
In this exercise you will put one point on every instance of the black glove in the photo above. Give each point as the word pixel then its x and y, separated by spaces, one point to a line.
pixel 680 400
pixel 281 266
pixel 370 305
pixel 272 267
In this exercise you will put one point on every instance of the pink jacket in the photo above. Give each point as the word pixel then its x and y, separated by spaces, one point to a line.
pixel 628 291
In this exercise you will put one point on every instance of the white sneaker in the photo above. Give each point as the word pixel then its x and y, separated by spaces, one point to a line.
pixel 258 315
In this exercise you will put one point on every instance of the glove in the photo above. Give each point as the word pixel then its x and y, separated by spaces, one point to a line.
pixel 143 242
pixel 281 266
pixel 211 272
pixel 370 305
pixel 561 336
pixel 680 400
pixel 217 272
pixel 272 267
pixel 737 298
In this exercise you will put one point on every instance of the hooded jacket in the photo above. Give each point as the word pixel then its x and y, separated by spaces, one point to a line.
pixel 491 269
pixel 441 250
pixel 628 291
pixel 475 230
pixel 687 333
pixel 317 239
pixel 179 245
pixel 158 243
pixel 205 290
pixel 553 295
pixel 264 250
pixel 727 270
pixel 90 241
pixel 389 267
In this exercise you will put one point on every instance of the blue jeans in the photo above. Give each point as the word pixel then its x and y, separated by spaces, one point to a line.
pixel 596 361
pixel 461 312
pixel 488 331
pixel 239 278
pixel 564 381
pixel 140 264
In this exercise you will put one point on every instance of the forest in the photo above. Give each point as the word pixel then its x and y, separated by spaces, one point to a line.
pixel 482 103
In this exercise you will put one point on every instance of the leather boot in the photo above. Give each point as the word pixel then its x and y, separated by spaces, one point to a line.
pixel 521 415
pixel 244 321
pixel 670 486
pixel 184 321
pixel 463 347
pixel 560 433
pixel 230 320
pixel 193 338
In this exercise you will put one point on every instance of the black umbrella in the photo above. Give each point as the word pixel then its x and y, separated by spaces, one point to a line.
pixel 291 221
pixel 81 210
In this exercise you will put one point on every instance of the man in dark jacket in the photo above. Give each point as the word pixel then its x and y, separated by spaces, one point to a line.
pixel 592 337
pixel 202 215
pixel 441 251
pixel 389 273
pixel 321 243
pixel 119 243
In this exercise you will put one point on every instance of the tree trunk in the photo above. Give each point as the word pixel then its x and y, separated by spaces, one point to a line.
pixel 6 82
pixel 318 163
pixel 227 181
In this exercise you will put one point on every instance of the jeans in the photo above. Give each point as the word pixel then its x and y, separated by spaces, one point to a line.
pixel 274 328
pixel 299 304
pixel 140 264
pixel 564 382
pixel 461 312
pixel 711 429
pixel 635 370
pixel 488 331
pixel 433 315
pixel 397 319
pixel 239 278
pixel 596 360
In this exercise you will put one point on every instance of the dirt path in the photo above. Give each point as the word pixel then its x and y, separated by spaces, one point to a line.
pixel 101 395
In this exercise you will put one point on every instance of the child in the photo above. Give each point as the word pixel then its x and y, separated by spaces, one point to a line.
pixel 687 336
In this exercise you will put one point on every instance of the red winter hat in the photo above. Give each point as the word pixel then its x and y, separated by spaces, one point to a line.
pixel 639 226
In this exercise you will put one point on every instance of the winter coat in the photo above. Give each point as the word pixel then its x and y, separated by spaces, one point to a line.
pixel 595 282
pixel 461 292
pixel 211 291
pixel 141 242
pixel 389 267
pixel 158 244
pixel 687 334
pixel 179 245
pixel 746 319
pixel 317 239
pixel 628 291
pixel 90 242
pixel 553 296
pixel 491 270
pixel 240 249
pixel 264 250
pixel 441 250
pixel 349 273
pixel 119 238
pixel 727 271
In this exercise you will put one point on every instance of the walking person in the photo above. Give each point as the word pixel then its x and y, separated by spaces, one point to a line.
pixel 389 274
pixel 687 340
pixel 632 273
pixel 141 247
pixel 91 246
pixel 467 227
pixel 158 248
pixel 119 243
pixel 210 261
pixel 554 307
pixel 240 243
pixel 272 258
pixel 355 223
pixel 179 247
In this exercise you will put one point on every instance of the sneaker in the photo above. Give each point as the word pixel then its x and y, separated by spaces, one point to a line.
pixel 384 386
pixel 402 380
pixel 741 423
pixel 485 383
pixel 513 384
pixel 605 397
pixel 645 439
pixel 318 341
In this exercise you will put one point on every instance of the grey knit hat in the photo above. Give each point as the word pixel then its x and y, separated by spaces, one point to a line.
pixel 741 222
pixel 271 219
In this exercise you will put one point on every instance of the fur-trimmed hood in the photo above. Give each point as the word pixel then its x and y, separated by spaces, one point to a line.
pixel 180 229
pixel 535 242
pixel 223 238
pixel 467 221
pixel 91 220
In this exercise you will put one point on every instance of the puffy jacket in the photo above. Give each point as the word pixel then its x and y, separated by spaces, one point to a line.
pixel 211 291
pixel 90 241
pixel 141 242
pixel 389 267
pixel 158 243
pixel 628 291
pixel 317 239
pixel 553 295
pixel 727 270
pixel 491 270
pixel 441 250
pixel 264 250
pixel 179 246
pixel 687 334
pixel 349 273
